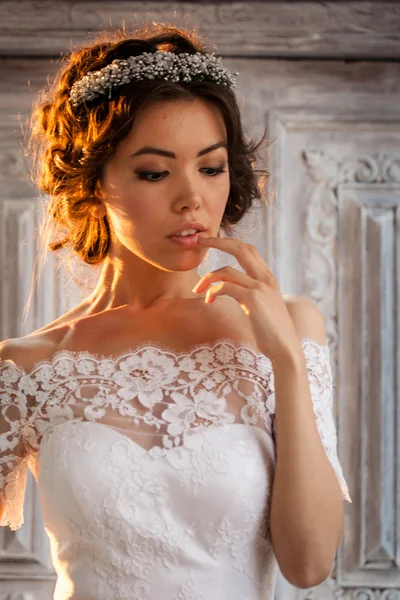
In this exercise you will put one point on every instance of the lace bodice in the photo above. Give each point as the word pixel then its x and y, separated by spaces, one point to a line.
pixel 154 468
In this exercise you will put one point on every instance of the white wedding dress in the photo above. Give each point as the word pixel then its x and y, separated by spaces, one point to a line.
pixel 154 468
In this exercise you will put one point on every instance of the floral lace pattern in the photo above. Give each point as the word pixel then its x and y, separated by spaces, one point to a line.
pixel 153 466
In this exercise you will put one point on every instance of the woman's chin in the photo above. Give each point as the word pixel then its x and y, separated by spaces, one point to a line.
pixel 183 263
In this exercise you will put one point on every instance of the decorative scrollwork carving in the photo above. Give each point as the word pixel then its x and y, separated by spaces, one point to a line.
pixel 324 593
pixel 12 164
pixel 19 596
pixel 365 168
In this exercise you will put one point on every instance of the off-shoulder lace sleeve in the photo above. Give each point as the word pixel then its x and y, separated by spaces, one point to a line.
pixel 14 434
pixel 321 388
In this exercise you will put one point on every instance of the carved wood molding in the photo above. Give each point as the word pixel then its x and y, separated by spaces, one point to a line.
pixel 368 564
pixel 355 29
pixel 328 172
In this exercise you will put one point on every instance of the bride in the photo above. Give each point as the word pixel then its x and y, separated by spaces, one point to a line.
pixel 179 427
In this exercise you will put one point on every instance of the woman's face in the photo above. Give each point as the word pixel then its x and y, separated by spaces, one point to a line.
pixel 149 196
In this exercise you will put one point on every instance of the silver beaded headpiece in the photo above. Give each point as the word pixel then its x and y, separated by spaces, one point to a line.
pixel 151 65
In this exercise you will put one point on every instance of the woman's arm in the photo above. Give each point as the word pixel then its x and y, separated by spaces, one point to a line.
pixel 13 450
pixel 306 519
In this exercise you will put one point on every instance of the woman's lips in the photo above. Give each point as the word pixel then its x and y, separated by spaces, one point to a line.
pixel 187 241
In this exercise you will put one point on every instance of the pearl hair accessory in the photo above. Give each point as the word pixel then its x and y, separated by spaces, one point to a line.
pixel 151 65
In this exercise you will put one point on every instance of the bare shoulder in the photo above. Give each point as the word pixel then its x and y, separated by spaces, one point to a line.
pixel 9 349
pixel 28 350
pixel 307 317
pixel 42 343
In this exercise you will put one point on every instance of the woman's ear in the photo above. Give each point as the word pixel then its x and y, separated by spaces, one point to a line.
pixel 98 210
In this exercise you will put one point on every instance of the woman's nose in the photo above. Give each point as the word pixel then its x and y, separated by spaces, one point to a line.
pixel 192 201
pixel 188 194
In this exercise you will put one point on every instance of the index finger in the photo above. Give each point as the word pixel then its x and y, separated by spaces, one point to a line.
pixel 246 254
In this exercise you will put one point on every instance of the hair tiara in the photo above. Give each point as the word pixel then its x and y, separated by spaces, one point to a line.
pixel 151 65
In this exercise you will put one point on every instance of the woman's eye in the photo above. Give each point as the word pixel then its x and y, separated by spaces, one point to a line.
pixel 145 175
pixel 216 171
pixel 151 175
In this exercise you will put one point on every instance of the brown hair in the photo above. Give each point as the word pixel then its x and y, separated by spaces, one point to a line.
pixel 71 145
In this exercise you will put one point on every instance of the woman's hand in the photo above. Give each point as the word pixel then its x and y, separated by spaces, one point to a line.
pixel 258 294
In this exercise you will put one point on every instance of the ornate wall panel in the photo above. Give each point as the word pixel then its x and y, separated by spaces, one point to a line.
pixel 369 284
pixel 321 151
pixel 337 213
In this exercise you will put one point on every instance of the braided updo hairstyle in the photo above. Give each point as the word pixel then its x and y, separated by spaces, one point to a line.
pixel 71 145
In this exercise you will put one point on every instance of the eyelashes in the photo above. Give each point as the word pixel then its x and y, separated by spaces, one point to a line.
pixel 144 175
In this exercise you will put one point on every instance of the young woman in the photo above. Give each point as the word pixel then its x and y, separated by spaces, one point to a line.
pixel 180 430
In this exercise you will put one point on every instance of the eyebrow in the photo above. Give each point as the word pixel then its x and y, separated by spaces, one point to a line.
pixel 160 152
